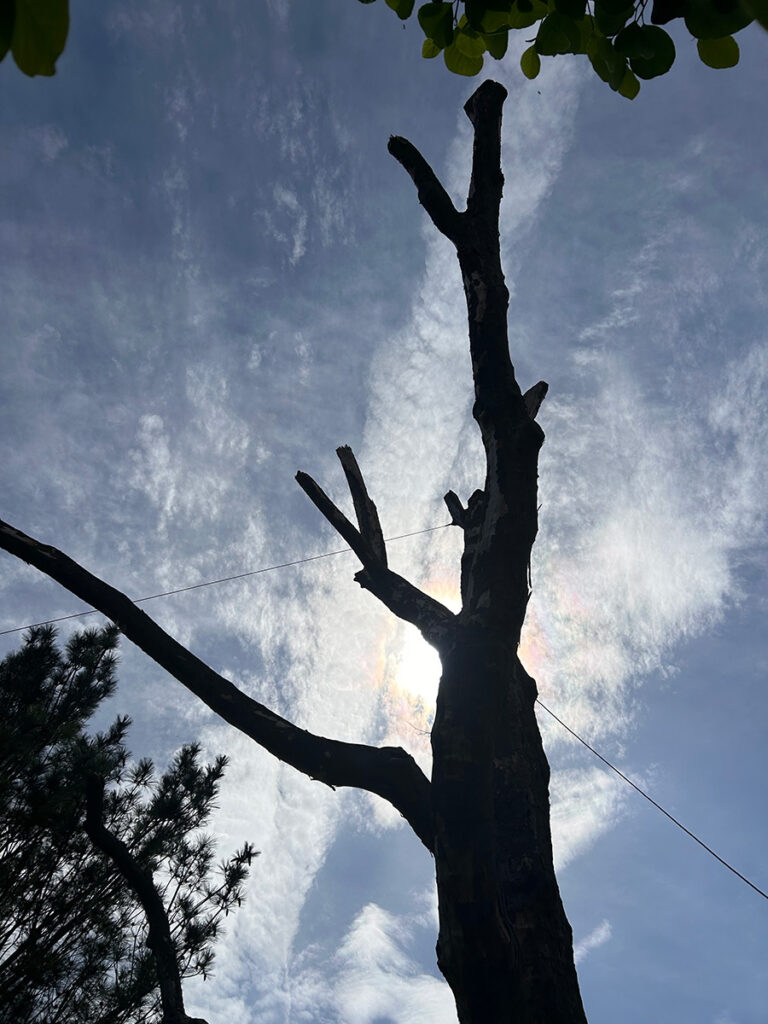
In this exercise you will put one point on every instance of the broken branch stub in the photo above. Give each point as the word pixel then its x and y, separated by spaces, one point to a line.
pixel 365 509
pixel 432 618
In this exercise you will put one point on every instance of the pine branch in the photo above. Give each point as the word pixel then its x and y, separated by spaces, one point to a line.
pixel 140 881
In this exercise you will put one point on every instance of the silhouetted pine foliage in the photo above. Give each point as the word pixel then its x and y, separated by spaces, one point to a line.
pixel 72 935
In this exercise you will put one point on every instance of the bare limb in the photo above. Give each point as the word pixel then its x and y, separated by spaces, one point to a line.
pixel 534 396
pixel 365 509
pixel 483 108
pixel 435 622
pixel 456 509
pixel 432 195
pixel 500 525
pixel 336 518
pixel 402 598
pixel 389 772
pixel 139 880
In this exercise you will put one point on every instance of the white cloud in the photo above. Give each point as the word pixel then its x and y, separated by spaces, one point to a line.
pixel 373 977
pixel 51 140
pixel 598 937
pixel 585 803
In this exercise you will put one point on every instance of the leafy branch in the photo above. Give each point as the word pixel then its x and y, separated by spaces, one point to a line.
pixel 614 35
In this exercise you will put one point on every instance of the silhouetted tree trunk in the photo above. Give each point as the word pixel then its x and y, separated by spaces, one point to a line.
pixel 505 945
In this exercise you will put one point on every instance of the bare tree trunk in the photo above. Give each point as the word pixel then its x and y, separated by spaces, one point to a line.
pixel 505 946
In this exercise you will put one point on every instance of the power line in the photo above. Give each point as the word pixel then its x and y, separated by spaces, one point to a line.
pixel 652 801
pixel 402 536
pixel 213 583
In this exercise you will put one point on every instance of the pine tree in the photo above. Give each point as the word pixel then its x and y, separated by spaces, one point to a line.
pixel 72 933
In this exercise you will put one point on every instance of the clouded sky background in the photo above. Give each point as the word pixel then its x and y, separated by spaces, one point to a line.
pixel 213 274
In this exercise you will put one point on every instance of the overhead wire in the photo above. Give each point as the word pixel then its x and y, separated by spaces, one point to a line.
pixel 652 801
pixel 222 579
pixel 402 536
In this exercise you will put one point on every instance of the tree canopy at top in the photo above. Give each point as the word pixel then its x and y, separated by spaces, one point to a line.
pixel 623 46
pixel 622 39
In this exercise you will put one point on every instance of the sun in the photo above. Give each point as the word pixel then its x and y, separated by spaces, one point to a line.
pixel 418 671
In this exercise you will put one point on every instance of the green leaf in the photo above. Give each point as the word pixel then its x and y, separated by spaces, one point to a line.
pixel 474 11
pixel 612 15
pixel 496 44
pixel 39 35
pixel 607 62
pixel 462 63
pixel 632 42
pixel 759 11
pixel 497 18
pixel 471 43
pixel 436 20
pixel 630 86
pixel 530 63
pixel 662 53
pixel 557 34
pixel 430 49
pixel 615 6
pixel 523 17
pixel 572 8
pixel 7 18
pixel 713 19
pixel 665 10
pixel 402 8
pixel 719 53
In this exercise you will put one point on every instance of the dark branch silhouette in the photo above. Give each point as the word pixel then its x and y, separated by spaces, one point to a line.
pixel 387 771
pixel 139 880
pixel 401 597
pixel 505 945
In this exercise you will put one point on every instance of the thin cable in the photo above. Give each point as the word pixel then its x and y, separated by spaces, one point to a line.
pixel 402 536
pixel 223 579
pixel 652 801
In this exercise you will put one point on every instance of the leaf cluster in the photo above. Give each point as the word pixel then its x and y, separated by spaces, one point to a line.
pixel 623 41
pixel 34 32
pixel 72 935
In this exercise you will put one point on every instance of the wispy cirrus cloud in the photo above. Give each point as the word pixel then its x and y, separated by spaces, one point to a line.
pixel 596 938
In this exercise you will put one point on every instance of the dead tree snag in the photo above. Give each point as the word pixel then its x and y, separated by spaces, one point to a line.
pixel 505 945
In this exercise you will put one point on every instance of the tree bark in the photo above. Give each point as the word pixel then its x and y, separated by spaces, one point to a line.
pixel 505 945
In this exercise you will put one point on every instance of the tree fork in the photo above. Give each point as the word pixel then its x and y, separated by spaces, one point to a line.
pixel 389 772
pixel 505 945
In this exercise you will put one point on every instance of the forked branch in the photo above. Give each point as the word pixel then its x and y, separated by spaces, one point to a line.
pixel 432 195
pixel 365 509
pixel 387 771
pixel 499 522
pixel 431 617
pixel 483 108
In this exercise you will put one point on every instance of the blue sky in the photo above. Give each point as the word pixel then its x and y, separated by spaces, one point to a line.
pixel 213 274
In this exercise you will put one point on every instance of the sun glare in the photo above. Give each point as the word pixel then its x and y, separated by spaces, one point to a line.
pixel 418 672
